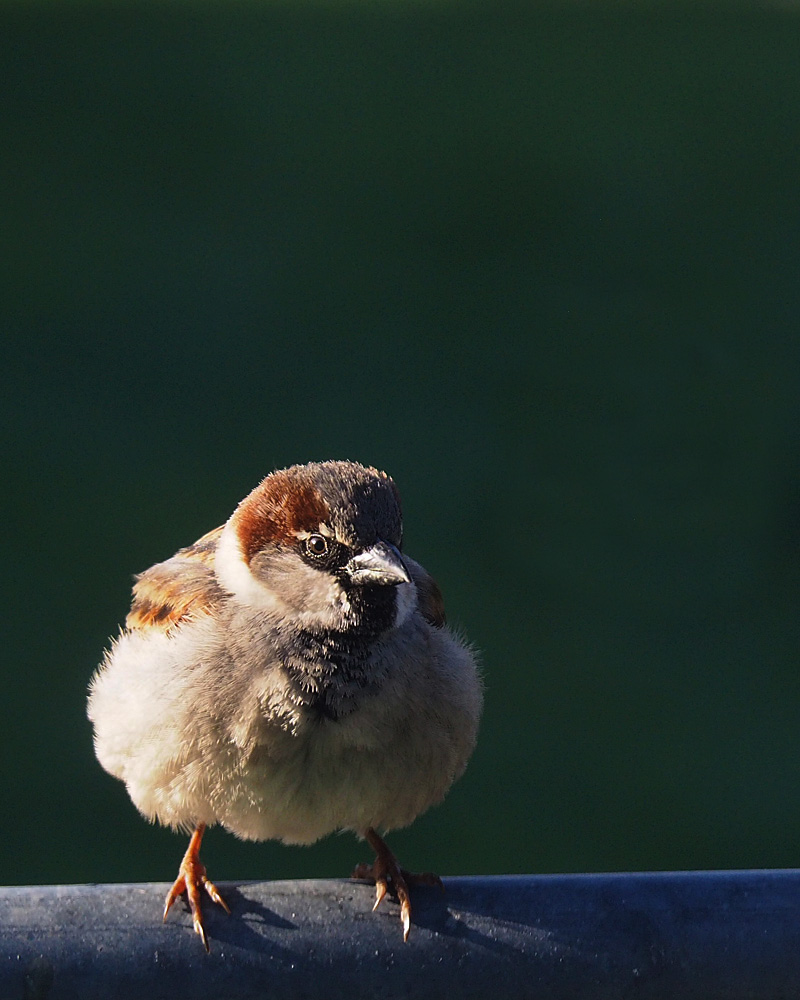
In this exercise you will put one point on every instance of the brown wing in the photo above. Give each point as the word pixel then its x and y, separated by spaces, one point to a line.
pixel 177 588
pixel 429 597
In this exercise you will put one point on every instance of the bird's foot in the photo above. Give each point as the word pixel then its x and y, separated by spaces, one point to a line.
pixel 191 877
pixel 388 876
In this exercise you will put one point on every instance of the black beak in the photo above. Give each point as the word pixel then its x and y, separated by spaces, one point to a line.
pixel 381 565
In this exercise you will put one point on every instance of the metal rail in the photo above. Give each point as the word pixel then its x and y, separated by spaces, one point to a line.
pixel 676 936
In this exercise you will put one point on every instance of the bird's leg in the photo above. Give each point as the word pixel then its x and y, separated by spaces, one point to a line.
pixel 191 876
pixel 388 876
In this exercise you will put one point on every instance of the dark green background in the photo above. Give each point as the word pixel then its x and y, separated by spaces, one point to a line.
pixel 541 264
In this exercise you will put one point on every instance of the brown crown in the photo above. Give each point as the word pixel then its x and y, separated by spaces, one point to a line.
pixel 279 507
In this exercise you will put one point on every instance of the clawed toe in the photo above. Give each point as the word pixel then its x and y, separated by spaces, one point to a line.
pixel 388 876
pixel 191 878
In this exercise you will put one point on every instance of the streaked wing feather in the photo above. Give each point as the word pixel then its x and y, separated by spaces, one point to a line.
pixel 178 588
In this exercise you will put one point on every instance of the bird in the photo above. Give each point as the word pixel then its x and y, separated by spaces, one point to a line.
pixel 289 675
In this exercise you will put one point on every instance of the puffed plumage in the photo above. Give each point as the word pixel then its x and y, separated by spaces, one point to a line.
pixel 290 674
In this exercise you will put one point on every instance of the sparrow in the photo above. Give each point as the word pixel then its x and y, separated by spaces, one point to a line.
pixel 290 675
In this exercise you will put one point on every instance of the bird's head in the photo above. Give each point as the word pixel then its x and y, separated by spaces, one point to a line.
pixel 319 545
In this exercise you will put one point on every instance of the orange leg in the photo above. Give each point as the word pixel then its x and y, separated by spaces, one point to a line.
pixel 387 875
pixel 191 876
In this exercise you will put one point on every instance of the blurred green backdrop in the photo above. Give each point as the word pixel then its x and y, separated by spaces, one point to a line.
pixel 540 262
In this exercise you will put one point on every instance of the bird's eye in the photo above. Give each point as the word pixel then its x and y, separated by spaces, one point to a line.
pixel 316 545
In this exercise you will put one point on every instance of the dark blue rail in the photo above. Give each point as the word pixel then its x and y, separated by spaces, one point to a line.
pixel 704 935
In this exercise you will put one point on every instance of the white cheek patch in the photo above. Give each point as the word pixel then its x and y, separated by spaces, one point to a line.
pixel 324 600
pixel 235 576
pixel 406 602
